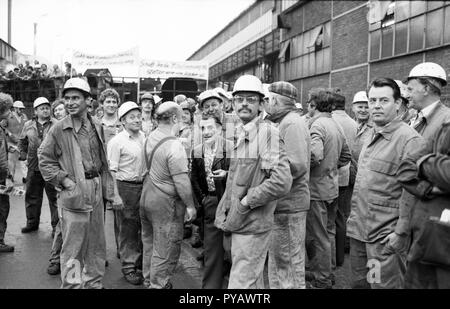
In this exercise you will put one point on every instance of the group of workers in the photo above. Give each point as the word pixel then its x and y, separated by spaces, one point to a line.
pixel 273 192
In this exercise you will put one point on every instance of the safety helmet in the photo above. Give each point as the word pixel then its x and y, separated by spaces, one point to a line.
pixel 248 83
pixel 127 107
pixel 18 104
pixel 148 96
pixel 429 69
pixel 223 93
pixel 157 99
pixel 209 94
pixel 299 105
pixel 166 106
pixel 402 86
pixel 360 96
pixel 39 101
pixel 78 84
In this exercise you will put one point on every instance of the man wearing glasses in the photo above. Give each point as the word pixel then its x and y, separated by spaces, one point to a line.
pixel 259 174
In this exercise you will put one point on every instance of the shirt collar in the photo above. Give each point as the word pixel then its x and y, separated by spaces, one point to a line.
pixel 427 111
pixel 388 130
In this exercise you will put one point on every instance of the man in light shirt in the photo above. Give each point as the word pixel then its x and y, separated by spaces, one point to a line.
pixel 128 168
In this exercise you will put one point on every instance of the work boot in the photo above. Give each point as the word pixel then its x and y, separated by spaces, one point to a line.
pixel 30 228
pixel 196 241
pixel 6 248
pixel 54 269
pixel 134 278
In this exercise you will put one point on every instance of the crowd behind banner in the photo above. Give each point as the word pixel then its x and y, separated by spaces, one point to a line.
pixel 260 185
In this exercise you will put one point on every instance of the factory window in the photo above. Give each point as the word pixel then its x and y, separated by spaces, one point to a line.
pixel 401 27
pixel 306 54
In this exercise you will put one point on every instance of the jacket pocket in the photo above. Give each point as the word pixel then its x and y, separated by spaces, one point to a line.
pixel 383 167
pixel 73 199
pixel 244 171
pixel 384 202
pixel 236 216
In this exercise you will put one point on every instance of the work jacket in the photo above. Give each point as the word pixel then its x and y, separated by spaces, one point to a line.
pixel 60 157
pixel 423 168
pixel 349 128
pixel 435 120
pixel 3 155
pixel 259 169
pixel 15 127
pixel 362 135
pixel 297 140
pixel 378 207
pixel 329 151
pixel 30 140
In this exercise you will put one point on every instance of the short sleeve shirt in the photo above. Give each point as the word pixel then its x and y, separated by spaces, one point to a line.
pixel 169 160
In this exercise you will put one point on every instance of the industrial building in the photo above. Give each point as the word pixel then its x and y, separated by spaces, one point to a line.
pixel 339 44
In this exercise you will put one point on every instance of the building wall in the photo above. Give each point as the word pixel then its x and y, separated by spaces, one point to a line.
pixel 349 82
pixel 350 39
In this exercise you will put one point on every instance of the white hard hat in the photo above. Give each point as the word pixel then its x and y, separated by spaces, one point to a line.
pixel 299 105
pixel 164 107
pixel 429 69
pixel 266 90
pixel 360 96
pixel 78 84
pixel 402 87
pixel 209 94
pixel 18 104
pixel 157 99
pixel 223 93
pixel 126 107
pixel 248 83
pixel 39 101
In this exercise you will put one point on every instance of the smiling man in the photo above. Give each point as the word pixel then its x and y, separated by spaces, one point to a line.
pixel 128 168
pixel 379 221
pixel 72 157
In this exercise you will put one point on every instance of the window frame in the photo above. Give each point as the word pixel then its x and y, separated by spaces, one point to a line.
pixel 378 26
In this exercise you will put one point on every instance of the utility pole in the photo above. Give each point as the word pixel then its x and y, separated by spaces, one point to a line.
pixel 9 21
pixel 34 40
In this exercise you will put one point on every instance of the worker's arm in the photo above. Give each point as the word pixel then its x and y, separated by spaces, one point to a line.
pixel 48 155
pixel 184 190
pixel 3 157
pixel 317 140
pixel 178 167
pixel 113 152
pixel 23 143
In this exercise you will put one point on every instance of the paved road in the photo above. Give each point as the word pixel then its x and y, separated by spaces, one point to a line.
pixel 27 266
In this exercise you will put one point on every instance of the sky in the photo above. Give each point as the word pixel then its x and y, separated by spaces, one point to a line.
pixel 162 29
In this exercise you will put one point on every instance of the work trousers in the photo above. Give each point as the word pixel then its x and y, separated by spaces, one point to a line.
pixel 248 255
pixel 14 163
pixel 342 214
pixel 130 244
pixel 426 276
pixel 320 240
pixel 162 219
pixel 373 268
pixel 83 252
pixel 4 212
pixel 213 250
pixel 33 199
pixel 287 251
pixel 56 245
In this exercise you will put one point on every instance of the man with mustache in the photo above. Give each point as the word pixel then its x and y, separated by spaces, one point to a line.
pixel 259 174
pixel 379 220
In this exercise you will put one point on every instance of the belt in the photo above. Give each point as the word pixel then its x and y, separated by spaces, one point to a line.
pixel 132 182
pixel 91 175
